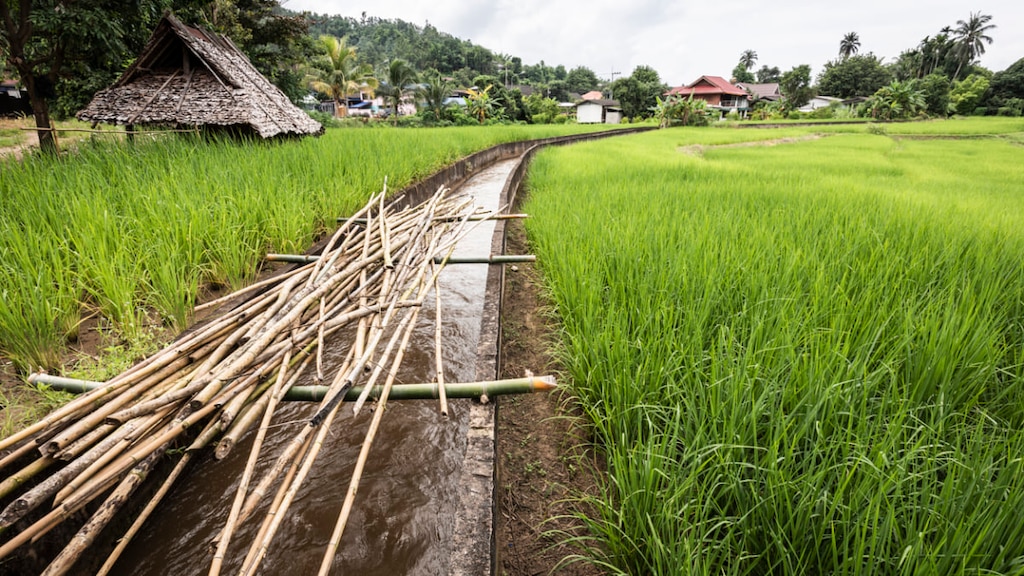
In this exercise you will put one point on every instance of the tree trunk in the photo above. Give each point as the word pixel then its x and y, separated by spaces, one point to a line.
pixel 41 112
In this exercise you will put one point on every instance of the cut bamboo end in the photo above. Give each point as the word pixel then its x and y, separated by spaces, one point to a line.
pixel 544 383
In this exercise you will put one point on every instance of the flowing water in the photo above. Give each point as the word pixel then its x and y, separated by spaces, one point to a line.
pixel 404 512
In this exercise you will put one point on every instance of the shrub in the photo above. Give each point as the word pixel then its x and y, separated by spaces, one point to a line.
pixel 325 119
pixel 823 113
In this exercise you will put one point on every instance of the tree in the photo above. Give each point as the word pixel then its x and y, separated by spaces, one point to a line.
pixel 646 74
pixel 796 87
pixel 966 94
pixel 638 93
pixel 1007 85
pixel 581 80
pixel 859 75
pixel 849 45
pixel 45 41
pixel 542 110
pixel 747 59
pixel 971 37
pixel 741 74
pixel 338 73
pixel 896 101
pixel 768 75
pixel 434 92
pixel 558 90
pixel 277 44
pixel 480 104
pixel 935 88
pixel 683 111
pixel 505 102
pixel 400 75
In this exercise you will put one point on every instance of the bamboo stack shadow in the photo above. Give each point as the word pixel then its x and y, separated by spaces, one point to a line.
pixel 227 377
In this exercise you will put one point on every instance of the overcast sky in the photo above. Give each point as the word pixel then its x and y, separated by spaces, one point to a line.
pixel 683 40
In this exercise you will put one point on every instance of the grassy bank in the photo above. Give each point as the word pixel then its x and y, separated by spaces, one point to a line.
pixel 804 358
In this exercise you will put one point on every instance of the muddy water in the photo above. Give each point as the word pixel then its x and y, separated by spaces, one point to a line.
pixel 404 512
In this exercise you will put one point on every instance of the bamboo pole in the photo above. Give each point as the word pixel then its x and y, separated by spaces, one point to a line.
pixel 492 259
pixel 22 476
pixel 430 390
pixel 250 466
pixel 475 218
pixel 364 452
pixel 87 534
pixel 437 349
pixel 123 442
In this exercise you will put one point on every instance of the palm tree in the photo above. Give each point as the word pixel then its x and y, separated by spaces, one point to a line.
pixel 400 75
pixel 339 73
pixel 434 92
pixel 971 38
pixel 849 45
pixel 748 58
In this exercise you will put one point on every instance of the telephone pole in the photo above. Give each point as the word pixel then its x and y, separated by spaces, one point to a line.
pixel 612 75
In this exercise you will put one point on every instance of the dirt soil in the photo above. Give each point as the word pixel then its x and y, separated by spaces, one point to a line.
pixel 543 450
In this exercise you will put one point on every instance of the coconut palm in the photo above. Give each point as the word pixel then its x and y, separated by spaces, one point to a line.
pixel 748 58
pixel 339 73
pixel 400 75
pixel 849 45
pixel 971 37
pixel 434 92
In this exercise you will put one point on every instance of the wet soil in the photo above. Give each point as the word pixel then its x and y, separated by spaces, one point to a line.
pixel 544 455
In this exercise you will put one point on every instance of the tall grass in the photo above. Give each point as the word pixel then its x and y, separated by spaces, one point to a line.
pixel 122 230
pixel 800 359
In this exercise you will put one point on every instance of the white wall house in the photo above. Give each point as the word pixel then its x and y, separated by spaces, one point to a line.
pixel 598 112
pixel 819 102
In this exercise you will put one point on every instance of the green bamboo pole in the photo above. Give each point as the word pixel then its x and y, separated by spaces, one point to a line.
pixel 492 259
pixel 426 391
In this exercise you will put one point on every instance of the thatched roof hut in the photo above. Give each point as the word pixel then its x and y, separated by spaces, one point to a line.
pixel 188 76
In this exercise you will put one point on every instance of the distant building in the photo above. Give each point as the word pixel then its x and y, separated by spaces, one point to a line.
pixel 717 92
pixel 592 95
pixel 769 91
pixel 14 101
pixel 599 111
pixel 819 102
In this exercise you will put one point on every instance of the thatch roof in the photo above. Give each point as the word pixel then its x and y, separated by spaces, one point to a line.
pixel 188 76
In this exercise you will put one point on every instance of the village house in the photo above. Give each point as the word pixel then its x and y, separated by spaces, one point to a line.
pixel 769 92
pixel 599 111
pixel 717 92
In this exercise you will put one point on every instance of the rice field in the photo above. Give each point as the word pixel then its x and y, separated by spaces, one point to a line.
pixel 805 358
pixel 131 233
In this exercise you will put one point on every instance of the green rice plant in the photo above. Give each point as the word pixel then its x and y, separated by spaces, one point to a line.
pixel 127 230
pixel 803 358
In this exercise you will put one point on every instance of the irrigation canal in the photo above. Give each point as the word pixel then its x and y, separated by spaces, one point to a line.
pixel 404 519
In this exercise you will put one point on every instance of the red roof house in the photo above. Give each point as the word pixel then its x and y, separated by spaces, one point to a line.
pixel 716 91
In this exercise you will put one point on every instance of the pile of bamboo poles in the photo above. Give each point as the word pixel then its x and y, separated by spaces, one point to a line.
pixel 227 377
